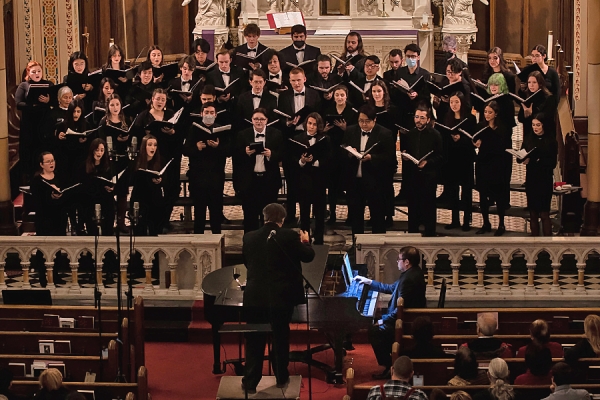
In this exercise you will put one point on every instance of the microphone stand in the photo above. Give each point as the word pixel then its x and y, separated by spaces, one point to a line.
pixel 307 286
pixel 97 292
pixel 133 219
pixel 120 377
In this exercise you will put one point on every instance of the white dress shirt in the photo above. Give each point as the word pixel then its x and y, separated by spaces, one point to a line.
pixel 363 146
pixel 226 78
pixel 256 100
pixel 311 142
pixel 300 54
pixel 259 165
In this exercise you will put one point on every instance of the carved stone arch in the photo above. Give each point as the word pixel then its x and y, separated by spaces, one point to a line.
pixel 441 251
pixel 180 252
pixel 528 255
pixel 167 254
pixel 494 250
pixel 143 254
pixel 461 253
pixel 586 255
pixel 569 250
pixel 105 252
pixel 205 262
pixel 426 255
pixel 387 251
pixel 5 253
pixel 44 252
pixel 63 250
pixel 81 250
pixel 372 264
pixel 539 251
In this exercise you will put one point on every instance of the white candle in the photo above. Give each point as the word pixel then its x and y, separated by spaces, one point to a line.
pixel 424 19
pixel 550 40
pixel 245 18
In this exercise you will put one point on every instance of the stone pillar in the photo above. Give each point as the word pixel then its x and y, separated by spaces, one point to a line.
pixel 173 271
pixel 148 288
pixel 99 278
pixel 580 277
pixel 555 288
pixel 123 271
pixel 2 281
pixel 530 289
pixel 480 289
pixel 74 277
pixel 455 288
pixel 25 265
pixel 591 213
pixel 196 278
pixel 430 287
pixel 7 221
pixel 49 276
pixel 505 277
pixel 459 21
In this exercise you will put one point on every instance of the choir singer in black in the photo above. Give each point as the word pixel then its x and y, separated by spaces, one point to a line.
pixel 274 287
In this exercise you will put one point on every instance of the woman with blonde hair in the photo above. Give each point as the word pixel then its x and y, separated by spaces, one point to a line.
pixel 499 389
pixel 589 346
pixel 51 382
pixel 460 395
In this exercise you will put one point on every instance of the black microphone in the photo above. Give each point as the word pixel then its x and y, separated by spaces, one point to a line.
pixel 132 150
pixel 271 234
pixel 109 144
pixel 136 211
pixel 98 214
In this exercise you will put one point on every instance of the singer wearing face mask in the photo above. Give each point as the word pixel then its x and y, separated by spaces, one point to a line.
pixel 147 190
pixel 207 153
pixel 411 73
pixel 273 257
pixel 119 145
pixel 98 190
pixel 300 52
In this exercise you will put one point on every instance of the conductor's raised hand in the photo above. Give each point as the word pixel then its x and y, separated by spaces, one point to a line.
pixel 362 279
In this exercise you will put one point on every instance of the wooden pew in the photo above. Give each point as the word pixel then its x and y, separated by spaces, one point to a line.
pixel 103 390
pixel 35 325
pixel 27 342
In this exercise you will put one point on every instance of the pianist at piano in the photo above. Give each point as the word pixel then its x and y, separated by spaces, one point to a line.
pixel 411 287
pixel 274 286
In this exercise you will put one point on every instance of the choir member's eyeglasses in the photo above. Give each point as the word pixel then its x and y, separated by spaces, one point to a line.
pixel 413 56
pixel 49 162
pixel 364 121
pixel 259 119
pixel 371 65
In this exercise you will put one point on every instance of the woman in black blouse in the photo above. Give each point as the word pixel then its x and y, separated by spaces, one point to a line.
pixel 460 158
pixel 539 177
pixel 32 114
pixel 77 78
pixel 147 189
pixel 493 168
pixel 342 115
pixel 497 64
pixel 545 104
pixel 49 204
pixel 107 88
pixel 539 56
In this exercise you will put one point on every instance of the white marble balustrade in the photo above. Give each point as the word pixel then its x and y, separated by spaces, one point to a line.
pixel 379 253
pixel 188 258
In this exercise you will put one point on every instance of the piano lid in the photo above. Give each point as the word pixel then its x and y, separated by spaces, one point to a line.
pixel 314 270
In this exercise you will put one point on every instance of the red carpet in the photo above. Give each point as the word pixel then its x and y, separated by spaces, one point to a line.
pixel 184 370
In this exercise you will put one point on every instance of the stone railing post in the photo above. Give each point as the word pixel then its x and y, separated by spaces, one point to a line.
pixel 196 278
pixel 2 281
pixel 148 288
pixel 430 287
pixel 25 265
pixel 173 271
pixel 580 277
pixel 555 288
pixel 455 288
pixel 530 288
pixel 74 277
pixel 123 270
pixel 480 276
pixel 49 275
pixel 505 277
pixel 99 277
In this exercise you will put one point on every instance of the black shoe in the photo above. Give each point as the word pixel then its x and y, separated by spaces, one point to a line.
pixel 452 226
pixel 466 228
pixel 248 390
pixel 389 222
pixel 281 385
pixel 386 374
pixel 500 231
pixel 348 345
pixel 485 228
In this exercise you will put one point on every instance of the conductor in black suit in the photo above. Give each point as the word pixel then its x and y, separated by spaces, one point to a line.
pixel 411 287
pixel 365 179
pixel 256 176
pixel 299 52
pixel 273 257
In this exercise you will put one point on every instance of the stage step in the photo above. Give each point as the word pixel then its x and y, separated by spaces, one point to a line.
pixel 230 388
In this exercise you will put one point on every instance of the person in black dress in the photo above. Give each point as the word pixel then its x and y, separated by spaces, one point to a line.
pixel 460 156
pixel 33 113
pixel 540 179
pixel 49 204
pixel 545 104
pixel 77 78
pixel 539 57
pixel 52 140
pixel 155 56
pixel 497 85
pixel 121 140
pixel 140 94
pixel 497 64
pixel 97 189
pixel 107 88
pixel 147 189
pixel 493 168
pixel 312 174
pixel 200 50
pixel 454 73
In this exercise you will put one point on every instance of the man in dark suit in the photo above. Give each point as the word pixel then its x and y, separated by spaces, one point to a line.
pixel 325 78
pixel 353 48
pixel 185 83
pixel 251 48
pixel 253 99
pixel 411 287
pixel 360 85
pixel 299 52
pixel 419 181
pixel 391 75
pixel 291 102
pixel 365 179
pixel 200 50
pixel 256 176
pixel 273 257
pixel 274 63
pixel 206 173
pixel 223 76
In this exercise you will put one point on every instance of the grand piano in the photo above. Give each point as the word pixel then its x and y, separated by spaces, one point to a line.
pixel 336 316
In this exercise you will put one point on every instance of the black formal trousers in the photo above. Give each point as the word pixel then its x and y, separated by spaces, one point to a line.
pixel 360 195
pixel 421 204
pixel 255 199
pixel 279 318
pixel 382 338
pixel 316 196
pixel 210 197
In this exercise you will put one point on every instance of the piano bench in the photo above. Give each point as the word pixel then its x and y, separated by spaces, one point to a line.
pixel 242 328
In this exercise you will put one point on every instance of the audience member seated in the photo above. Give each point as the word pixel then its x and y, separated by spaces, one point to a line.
pixel 540 335
pixel 460 395
pixel 437 394
pixel 486 346
pixel 589 346
pixel 561 385
pixel 539 362
pixel 466 369
pixel 51 382
pixel 500 389
pixel 399 386
pixel 6 378
pixel 422 333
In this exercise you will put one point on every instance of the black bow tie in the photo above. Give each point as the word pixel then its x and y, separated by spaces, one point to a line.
pixel 185 82
pixel 256 96
pixel 299 94
pixel 274 76
pixel 225 73
pixel 299 50
pixel 366 133
pixel 259 135
pixel 254 49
